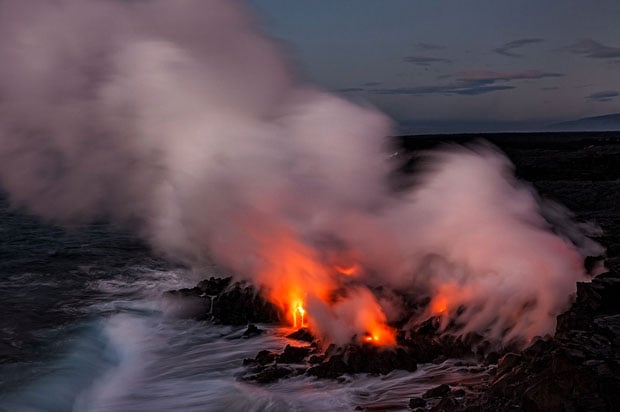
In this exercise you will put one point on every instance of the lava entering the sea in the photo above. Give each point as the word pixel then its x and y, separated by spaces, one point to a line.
pixel 321 297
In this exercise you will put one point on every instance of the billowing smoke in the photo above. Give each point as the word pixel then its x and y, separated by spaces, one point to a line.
pixel 179 119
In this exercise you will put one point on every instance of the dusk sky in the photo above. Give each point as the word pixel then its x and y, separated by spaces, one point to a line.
pixel 451 65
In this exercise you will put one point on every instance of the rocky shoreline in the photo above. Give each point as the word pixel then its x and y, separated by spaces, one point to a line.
pixel 576 370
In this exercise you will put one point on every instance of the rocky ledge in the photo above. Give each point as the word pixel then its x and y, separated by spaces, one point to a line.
pixel 335 362
pixel 577 370
pixel 225 302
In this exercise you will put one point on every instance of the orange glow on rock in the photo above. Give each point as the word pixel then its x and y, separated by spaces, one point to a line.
pixel 445 297
pixel 382 335
pixel 295 278
pixel 439 305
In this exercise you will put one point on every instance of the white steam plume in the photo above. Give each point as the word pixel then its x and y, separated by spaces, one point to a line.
pixel 180 119
pixel 478 241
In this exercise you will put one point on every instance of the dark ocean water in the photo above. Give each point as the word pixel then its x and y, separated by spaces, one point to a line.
pixel 84 328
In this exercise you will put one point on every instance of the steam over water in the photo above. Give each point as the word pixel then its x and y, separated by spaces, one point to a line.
pixel 93 335
pixel 180 121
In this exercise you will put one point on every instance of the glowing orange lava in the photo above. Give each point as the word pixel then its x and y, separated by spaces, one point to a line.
pixel 298 315
pixel 296 280
pixel 381 335
pixel 439 304
pixel 347 270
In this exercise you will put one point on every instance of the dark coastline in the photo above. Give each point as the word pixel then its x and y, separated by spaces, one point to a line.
pixel 579 368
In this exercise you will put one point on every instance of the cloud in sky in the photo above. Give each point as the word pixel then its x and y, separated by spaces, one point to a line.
pixel 462 88
pixel 471 83
pixel 507 49
pixel 489 76
pixel 350 90
pixel 373 84
pixel 425 60
pixel 430 46
pixel 595 50
pixel 605 96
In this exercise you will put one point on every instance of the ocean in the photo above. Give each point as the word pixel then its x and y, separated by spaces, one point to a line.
pixel 84 328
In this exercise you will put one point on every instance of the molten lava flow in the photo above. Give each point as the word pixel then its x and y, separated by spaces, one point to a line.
pixel 313 295
pixel 380 334
pixel 381 337
pixel 298 313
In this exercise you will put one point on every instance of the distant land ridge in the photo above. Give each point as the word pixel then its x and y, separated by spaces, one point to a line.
pixel 608 122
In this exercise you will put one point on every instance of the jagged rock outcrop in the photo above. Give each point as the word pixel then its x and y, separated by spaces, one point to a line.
pixel 226 302
pixel 577 370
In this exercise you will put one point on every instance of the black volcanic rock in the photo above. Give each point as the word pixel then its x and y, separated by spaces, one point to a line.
pixel 270 374
pixel 302 334
pixel 336 361
pixel 240 304
pixel 426 345
pixel 264 357
pixel 225 302
pixel 331 368
pixel 363 359
pixel 578 369
pixel 446 404
pixel 316 359
pixel 213 285
pixel 437 392
pixel 417 403
pixel 293 354
pixel 252 331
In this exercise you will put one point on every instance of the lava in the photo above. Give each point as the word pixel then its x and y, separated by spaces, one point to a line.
pixel 298 313
pixel 313 294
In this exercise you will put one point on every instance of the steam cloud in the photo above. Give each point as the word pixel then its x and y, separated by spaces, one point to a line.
pixel 181 120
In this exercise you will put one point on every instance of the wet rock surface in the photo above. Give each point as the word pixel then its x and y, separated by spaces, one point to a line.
pixel 226 302
pixel 302 334
pixel 334 363
pixel 439 391
pixel 363 358
pixel 270 374
pixel 423 344
pixel 252 331
pixel 577 370
pixel 438 399
pixel 417 402
pixel 293 354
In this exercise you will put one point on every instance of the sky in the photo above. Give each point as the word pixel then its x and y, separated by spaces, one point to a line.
pixel 456 65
